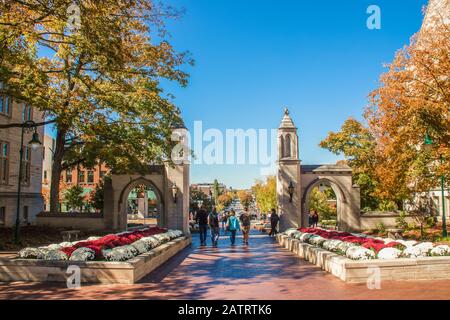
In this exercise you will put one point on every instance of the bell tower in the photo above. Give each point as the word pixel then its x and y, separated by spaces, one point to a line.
pixel 288 174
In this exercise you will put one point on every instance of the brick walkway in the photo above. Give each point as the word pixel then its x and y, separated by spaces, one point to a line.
pixel 262 271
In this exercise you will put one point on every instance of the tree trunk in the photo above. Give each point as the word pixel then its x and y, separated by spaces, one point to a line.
pixel 56 171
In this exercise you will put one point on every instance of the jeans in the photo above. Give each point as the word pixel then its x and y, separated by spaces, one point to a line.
pixel 273 230
pixel 215 232
pixel 233 236
pixel 203 228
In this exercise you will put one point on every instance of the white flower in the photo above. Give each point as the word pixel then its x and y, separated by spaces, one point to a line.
pixel 29 253
pixel 419 250
pixel 344 246
pixel 407 243
pixel 66 244
pixel 93 238
pixel 389 253
pixel 290 232
pixel 55 255
pixel 82 254
pixel 317 241
pixel 442 250
pixel 297 235
pixel 142 246
pixel 331 245
pixel 120 253
pixel 359 253
pixel 305 237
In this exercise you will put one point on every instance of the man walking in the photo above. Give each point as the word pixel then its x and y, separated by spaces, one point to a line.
pixel 245 225
pixel 274 219
pixel 202 220
pixel 213 221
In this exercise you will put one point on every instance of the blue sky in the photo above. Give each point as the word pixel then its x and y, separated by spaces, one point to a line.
pixel 254 57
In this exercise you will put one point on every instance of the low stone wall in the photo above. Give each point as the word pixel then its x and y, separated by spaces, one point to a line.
pixel 428 268
pixel 80 221
pixel 128 272
pixel 370 220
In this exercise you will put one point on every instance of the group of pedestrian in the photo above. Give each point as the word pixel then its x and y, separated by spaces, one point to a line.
pixel 230 224
pixel 313 219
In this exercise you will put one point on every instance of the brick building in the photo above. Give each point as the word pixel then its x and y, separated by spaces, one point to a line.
pixel 12 111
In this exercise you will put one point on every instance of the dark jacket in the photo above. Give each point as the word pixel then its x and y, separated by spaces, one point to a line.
pixel 202 218
pixel 213 220
pixel 274 218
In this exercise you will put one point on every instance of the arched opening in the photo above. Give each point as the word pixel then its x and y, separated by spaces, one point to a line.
pixel 287 146
pixel 282 147
pixel 141 205
pixel 325 197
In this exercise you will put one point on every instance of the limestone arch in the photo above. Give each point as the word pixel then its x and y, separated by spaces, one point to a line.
pixel 341 198
pixel 123 199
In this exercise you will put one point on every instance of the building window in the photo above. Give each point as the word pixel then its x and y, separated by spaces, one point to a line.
pixel 27 113
pixel 2 215
pixel 90 176
pixel 26 165
pixel 81 178
pixel 45 174
pixel 25 214
pixel 5 105
pixel 69 176
pixel 4 162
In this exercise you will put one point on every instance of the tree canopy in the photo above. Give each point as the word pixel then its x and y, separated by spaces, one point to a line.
pixel 99 82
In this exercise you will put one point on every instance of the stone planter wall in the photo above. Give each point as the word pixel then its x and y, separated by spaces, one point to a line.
pixel 129 272
pixel 427 268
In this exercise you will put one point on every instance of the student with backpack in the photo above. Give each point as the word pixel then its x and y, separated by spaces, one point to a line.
pixel 213 221
pixel 245 222
pixel 233 226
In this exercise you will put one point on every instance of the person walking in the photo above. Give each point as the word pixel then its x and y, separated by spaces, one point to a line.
pixel 274 219
pixel 315 219
pixel 202 220
pixel 245 225
pixel 213 221
pixel 233 226
pixel 224 220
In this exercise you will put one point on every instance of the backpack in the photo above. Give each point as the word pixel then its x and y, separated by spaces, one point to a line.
pixel 233 224
pixel 245 218
pixel 213 220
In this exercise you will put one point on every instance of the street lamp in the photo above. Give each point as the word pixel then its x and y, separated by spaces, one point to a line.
pixel 428 143
pixel 291 190
pixel 174 192
pixel 27 126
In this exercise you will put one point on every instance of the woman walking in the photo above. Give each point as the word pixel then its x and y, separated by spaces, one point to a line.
pixel 233 226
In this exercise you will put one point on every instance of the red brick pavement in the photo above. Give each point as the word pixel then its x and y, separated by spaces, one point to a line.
pixel 261 271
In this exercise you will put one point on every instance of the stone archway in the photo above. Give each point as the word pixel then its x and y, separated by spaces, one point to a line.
pixel 341 199
pixel 123 199
pixel 293 207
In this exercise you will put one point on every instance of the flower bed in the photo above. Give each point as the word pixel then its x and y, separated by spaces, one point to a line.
pixel 363 247
pixel 114 247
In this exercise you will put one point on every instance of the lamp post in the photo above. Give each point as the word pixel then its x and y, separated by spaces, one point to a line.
pixel 291 190
pixel 428 144
pixel 27 126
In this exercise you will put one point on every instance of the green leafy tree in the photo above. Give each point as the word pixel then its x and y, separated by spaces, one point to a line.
pixel 197 198
pixel 99 83
pixel 73 197
pixel 318 201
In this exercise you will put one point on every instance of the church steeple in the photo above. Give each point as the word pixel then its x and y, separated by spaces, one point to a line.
pixel 287 138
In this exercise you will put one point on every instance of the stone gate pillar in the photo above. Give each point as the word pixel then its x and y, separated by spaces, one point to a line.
pixel 288 175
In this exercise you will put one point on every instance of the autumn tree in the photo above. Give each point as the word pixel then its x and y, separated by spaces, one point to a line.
pixel 98 81
pixel 245 197
pixel 413 100
pixel 318 201
pixel 266 194
pixel 357 144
